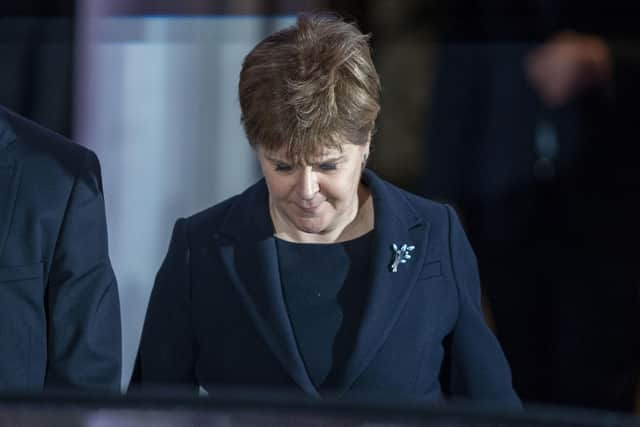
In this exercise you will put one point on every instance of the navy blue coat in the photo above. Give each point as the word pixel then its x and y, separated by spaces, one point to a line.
pixel 217 315
pixel 59 309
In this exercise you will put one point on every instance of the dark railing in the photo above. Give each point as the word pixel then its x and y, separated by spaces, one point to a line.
pixel 233 409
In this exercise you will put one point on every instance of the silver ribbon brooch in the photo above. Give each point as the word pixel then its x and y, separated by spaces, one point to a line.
pixel 400 255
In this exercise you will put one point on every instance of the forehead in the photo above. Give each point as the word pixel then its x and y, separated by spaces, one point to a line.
pixel 323 154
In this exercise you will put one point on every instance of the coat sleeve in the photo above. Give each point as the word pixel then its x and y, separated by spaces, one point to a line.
pixel 83 310
pixel 166 356
pixel 478 367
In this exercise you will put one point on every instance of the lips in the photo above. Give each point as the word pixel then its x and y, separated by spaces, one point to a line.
pixel 308 209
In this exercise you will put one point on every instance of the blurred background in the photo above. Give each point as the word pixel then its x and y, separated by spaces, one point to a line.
pixel 522 115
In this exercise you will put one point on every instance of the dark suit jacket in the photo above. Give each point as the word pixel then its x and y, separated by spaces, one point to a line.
pixel 59 309
pixel 217 315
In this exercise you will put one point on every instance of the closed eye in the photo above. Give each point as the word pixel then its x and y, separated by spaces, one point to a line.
pixel 328 166
pixel 283 167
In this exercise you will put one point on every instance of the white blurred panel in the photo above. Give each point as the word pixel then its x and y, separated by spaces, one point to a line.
pixel 158 103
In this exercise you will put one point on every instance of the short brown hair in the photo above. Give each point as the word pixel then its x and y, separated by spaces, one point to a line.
pixel 310 87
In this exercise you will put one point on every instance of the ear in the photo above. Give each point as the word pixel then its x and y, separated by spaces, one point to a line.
pixel 365 154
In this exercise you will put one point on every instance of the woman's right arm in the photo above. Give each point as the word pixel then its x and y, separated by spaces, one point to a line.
pixel 166 356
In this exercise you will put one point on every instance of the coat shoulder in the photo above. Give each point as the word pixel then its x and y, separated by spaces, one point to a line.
pixel 34 139
pixel 402 201
pixel 428 210
pixel 53 172
pixel 209 221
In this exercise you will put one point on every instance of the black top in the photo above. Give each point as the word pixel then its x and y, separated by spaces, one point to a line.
pixel 325 289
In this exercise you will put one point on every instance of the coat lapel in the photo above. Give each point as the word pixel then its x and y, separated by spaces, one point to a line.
pixel 251 259
pixel 395 222
pixel 9 178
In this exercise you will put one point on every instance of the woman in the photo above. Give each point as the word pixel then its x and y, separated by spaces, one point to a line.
pixel 321 276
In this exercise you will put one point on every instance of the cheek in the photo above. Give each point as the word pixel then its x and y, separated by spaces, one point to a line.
pixel 342 191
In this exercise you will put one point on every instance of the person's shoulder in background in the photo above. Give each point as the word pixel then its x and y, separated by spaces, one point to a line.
pixel 32 141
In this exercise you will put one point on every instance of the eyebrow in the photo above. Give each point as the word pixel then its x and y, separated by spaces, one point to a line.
pixel 273 159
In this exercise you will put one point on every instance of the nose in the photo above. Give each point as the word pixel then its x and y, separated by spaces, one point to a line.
pixel 307 183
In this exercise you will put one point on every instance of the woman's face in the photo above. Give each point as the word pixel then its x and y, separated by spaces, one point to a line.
pixel 320 198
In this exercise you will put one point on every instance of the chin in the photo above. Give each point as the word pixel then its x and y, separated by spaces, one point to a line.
pixel 311 227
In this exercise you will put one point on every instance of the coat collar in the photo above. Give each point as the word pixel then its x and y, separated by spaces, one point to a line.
pixel 251 259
